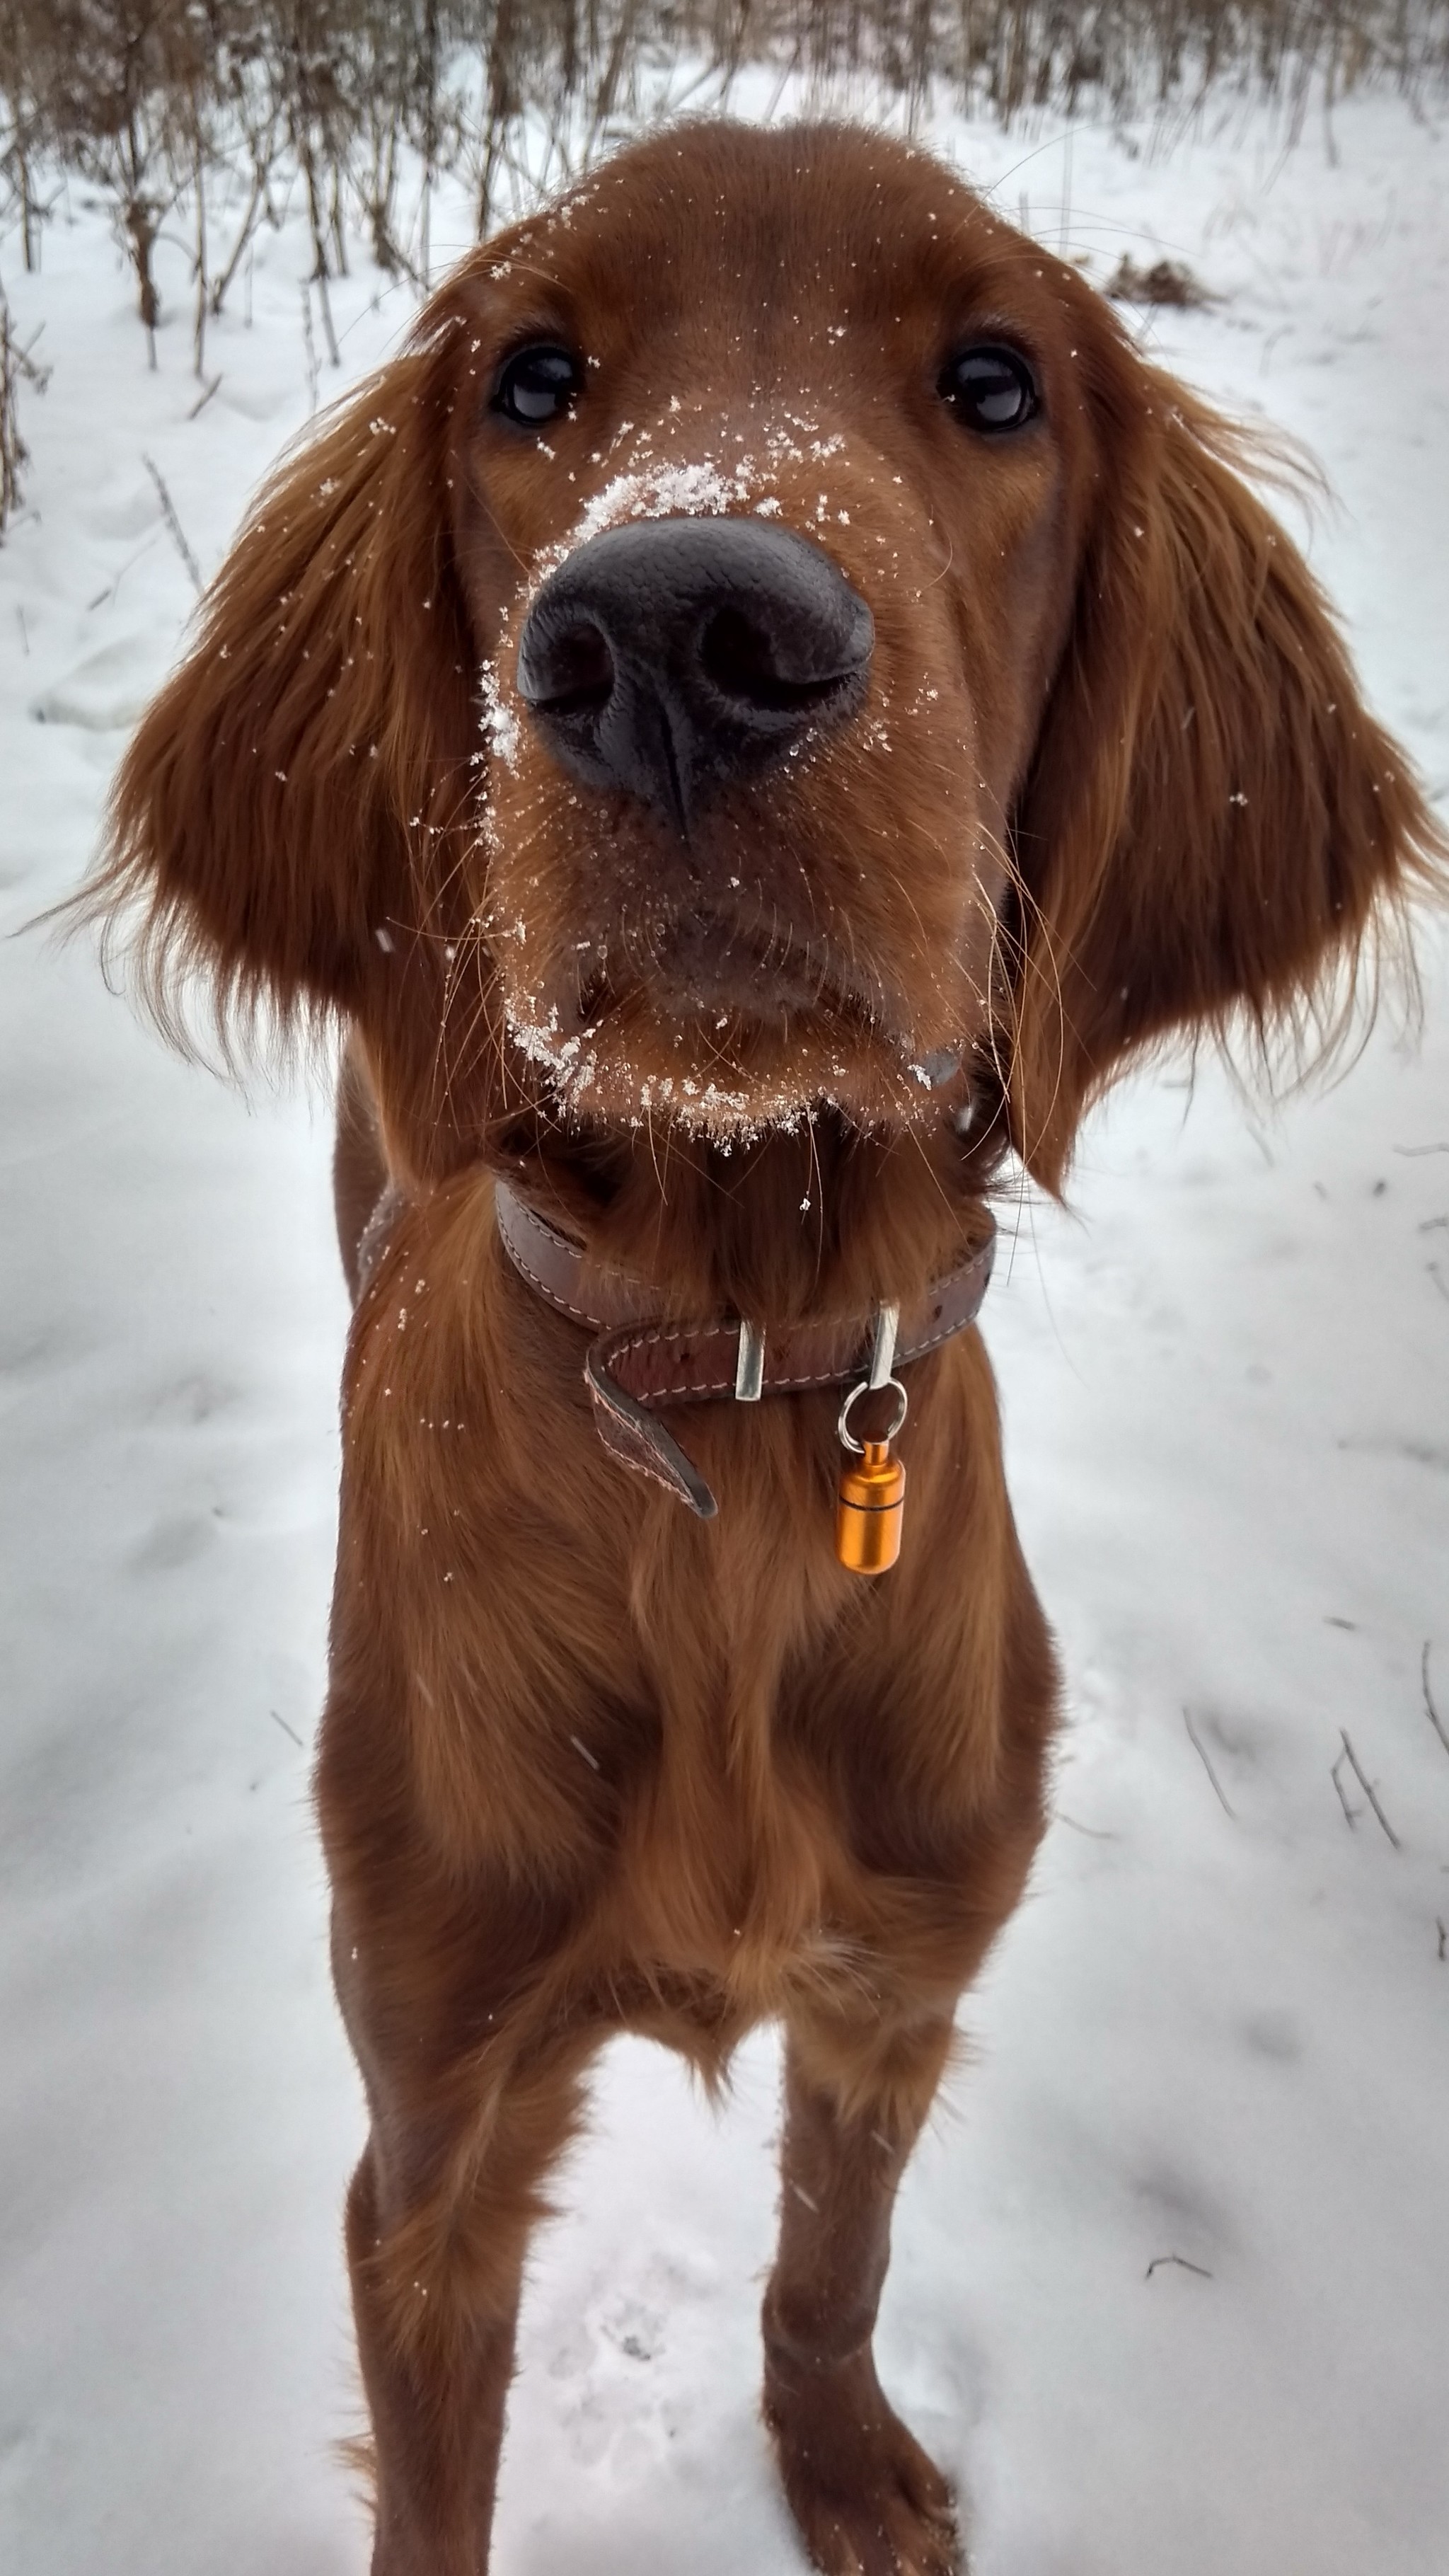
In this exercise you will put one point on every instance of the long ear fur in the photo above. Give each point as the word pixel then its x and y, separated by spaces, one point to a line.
pixel 284 818
pixel 1213 826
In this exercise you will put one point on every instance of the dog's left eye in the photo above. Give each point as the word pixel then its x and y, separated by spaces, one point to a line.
pixel 537 384
pixel 991 388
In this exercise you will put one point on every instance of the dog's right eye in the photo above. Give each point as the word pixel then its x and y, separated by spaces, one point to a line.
pixel 537 384
pixel 991 388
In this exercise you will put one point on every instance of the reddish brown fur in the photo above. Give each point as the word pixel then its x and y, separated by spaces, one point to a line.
pixel 588 1764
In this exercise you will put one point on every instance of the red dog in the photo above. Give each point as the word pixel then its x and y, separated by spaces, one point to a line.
pixel 752 718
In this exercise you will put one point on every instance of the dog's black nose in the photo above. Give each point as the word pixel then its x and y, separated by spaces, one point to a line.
pixel 683 654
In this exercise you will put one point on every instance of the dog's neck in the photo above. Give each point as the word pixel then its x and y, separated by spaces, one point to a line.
pixel 816 1219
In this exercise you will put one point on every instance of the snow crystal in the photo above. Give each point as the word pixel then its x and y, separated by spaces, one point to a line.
pixel 500 723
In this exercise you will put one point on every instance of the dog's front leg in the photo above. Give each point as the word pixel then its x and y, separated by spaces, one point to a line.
pixel 867 2499
pixel 438 2220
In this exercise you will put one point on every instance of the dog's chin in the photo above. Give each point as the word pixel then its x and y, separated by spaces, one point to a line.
pixel 724 1067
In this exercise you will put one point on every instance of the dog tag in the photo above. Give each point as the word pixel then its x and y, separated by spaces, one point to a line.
pixel 870 1510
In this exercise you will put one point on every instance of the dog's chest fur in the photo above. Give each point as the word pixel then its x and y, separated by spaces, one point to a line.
pixel 741 1775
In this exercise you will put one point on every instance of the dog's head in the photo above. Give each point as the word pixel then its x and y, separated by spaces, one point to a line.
pixel 800 537
pixel 769 641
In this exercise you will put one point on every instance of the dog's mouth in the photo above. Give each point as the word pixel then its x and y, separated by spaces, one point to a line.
pixel 724 1022
pixel 757 972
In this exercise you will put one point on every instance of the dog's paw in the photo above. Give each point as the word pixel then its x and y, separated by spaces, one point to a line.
pixel 867 2499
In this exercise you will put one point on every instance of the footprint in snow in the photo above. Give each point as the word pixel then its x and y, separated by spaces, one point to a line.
pixel 628 2394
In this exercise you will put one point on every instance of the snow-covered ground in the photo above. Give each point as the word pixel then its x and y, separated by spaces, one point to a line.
pixel 1216 2039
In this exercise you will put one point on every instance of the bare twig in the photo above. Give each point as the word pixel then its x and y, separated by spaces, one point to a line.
pixel 263 148
pixel 168 512
pixel 17 367
pixel 1200 1749
pixel 329 334
pixel 309 345
pixel 203 399
pixel 1367 1787
pixel 1350 1812
pixel 286 1729
pixel 112 588
pixel 1182 2264
pixel 1430 1711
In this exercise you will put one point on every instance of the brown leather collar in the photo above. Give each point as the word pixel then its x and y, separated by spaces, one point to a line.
pixel 634 1365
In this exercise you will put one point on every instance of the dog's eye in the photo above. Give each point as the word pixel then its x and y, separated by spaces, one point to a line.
pixel 537 384
pixel 991 388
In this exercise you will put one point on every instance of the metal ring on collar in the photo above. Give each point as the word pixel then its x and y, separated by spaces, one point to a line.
pixel 847 1437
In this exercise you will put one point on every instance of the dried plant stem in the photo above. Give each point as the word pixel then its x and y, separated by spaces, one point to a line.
pixel 17 367
pixel 1430 1711
pixel 1201 1751
pixel 1348 1754
pixel 168 512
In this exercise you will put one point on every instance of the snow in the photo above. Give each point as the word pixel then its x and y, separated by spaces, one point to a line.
pixel 1217 2032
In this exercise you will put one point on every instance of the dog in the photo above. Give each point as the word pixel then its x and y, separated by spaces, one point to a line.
pixel 747 724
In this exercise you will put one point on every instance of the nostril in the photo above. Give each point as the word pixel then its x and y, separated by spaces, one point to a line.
pixel 743 662
pixel 567 670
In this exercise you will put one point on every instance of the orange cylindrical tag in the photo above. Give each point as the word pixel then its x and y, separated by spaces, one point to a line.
pixel 870 1510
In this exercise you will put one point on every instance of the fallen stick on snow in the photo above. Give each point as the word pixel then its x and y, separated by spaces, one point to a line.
pixel 1200 1749
pixel 1431 1712
pixel 1366 1785
pixel 1182 2263
pixel 168 512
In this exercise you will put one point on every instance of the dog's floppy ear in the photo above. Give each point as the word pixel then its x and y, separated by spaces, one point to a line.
pixel 281 820
pixel 1212 822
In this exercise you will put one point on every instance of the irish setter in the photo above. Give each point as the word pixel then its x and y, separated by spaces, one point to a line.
pixel 748 723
